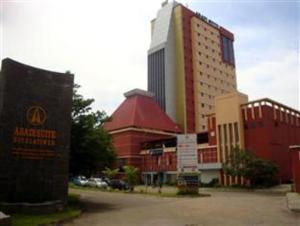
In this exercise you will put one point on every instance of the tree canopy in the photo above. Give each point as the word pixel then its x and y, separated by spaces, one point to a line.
pixel 110 173
pixel 262 173
pixel 131 175
pixel 243 163
pixel 91 145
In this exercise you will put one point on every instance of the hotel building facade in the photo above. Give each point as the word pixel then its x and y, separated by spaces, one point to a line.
pixel 192 89
pixel 190 62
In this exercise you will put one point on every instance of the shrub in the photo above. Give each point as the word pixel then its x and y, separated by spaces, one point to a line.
pixel 261 173
pixel 131 175
pixel 212 184
pixel 110 173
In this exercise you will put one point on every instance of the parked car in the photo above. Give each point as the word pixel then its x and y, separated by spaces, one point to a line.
pixel 105 179
pixel 80 180
pixel 118 184
pixel 97 182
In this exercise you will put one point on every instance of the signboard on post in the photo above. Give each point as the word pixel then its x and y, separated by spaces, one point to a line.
pixel 187 160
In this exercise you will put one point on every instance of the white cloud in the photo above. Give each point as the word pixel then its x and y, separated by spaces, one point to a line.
pixel 275 78
pixel 268 64
pixel 105 44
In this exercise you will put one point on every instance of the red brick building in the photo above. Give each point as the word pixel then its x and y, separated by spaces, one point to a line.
pixel 295 155
pixel 137 120
pixel 144 136
pixel 270 128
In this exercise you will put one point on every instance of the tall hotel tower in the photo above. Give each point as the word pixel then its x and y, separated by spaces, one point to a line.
pixel 190 62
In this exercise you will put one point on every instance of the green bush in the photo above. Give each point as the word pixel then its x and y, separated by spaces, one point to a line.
pixel 260 172
pixel 131 175
pixel 263 173
pixel 212 184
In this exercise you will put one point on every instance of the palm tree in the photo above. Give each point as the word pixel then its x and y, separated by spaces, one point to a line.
pixel 110 173
pixel 131 174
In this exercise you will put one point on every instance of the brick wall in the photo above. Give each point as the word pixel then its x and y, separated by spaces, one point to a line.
pixel 268 135
pixel 295 166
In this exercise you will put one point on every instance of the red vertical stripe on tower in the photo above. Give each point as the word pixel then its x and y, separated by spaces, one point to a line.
pixel 188 62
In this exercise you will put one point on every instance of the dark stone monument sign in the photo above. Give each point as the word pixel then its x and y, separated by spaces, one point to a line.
pixel 35 124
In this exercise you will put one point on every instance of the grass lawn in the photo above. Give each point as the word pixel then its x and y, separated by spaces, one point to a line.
pixel 140 189
pixel 166 191
pixel 73 210
pixel 71 185
pixel 171 191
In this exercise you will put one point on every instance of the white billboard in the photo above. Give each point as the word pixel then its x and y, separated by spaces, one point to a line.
pixel 187 159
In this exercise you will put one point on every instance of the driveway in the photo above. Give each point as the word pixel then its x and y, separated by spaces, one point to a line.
pixel 222 208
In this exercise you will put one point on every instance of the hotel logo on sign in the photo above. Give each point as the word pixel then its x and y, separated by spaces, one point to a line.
pixel 36 116
pixel 34 143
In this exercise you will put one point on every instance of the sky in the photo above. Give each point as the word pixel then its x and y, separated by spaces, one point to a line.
pixel 105 43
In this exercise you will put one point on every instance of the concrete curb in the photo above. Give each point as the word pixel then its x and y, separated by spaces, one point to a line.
pixel 293 201
pixel 32 208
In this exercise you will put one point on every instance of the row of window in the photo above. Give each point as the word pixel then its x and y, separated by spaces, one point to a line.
pixel 209 39
pixel 159 160
pixel 208 95
pixel 213 50
pixel 217 79
pixel 216 70
pixel 213 87
pixel 213 66
pixel 210 47
pixel 209 156
pixel 205 29
pixel 209 106
pixel 208 57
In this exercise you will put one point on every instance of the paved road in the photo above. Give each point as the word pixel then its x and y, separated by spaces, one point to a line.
pixel 222 208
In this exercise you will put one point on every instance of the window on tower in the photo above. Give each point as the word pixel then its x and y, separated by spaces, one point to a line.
pixel 227 50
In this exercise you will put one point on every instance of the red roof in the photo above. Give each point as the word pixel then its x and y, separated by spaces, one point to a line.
pixel 141 111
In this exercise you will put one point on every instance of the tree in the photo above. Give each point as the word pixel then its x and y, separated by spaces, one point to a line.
pixel 131 174
pixel 91 145
pixel 238 162
pixel 243 163
pixel 110 173
pixel 262 173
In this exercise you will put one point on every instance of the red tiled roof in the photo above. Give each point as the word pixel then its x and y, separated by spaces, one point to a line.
pixel 143 112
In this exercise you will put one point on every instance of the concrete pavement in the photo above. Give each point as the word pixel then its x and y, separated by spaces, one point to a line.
pixel 222 208
pixel 293 200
